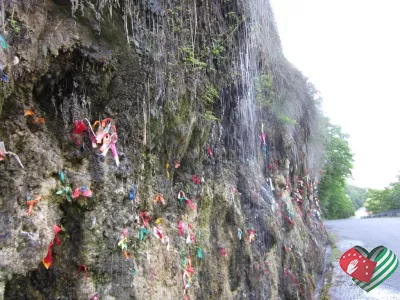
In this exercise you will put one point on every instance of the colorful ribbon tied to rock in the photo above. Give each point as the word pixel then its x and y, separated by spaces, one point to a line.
pixel 32 202
pixel 239 233
pixel 84 268
pixel 182 197
pixel 32 118
pixel 195 179
pixel 251 234
pixel 181 227
pixel 66 191
pixel 142 233
pixel 82 191
pixel 48 260
pixel 62 177
pixel 145 218
pixel 3 42
pixel 105 135
pixel 199 253
pixel 159 198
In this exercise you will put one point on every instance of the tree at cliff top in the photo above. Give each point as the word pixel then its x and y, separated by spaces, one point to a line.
pixel 335 203
pixel 384 200
pixel 357 195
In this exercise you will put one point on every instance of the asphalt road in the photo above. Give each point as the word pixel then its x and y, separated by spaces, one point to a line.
pixel 367 233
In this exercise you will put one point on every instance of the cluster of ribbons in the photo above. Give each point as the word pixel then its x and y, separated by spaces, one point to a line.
pixel 251 234
pixel 157 232
pixel 263 140
pixel 69 194
pixel 102 133
pixel 82 191
pixel 32 118
pixel 182 197
pixel 293 279
pixel 289 214
pixel 123 243
pixel 187 273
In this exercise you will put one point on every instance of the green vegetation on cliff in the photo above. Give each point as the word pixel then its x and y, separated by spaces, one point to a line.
pixel 197 90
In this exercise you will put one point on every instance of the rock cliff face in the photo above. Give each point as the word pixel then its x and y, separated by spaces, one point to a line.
pixel 194 88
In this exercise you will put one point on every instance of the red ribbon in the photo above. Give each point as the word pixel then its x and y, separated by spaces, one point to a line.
pixel 195 179
pixel 48 260
pixel 145 218
pixel 84 268
pixel 181 226
pixel 32 203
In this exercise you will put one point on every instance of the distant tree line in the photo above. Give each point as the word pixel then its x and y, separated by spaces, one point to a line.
pixel 357 195
pixel 384 200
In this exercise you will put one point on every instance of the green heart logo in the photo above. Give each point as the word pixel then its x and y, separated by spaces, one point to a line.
pixel 387 264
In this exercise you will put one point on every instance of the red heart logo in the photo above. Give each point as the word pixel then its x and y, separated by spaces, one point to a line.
pixel 357 265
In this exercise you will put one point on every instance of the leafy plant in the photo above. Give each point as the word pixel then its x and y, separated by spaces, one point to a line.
pixel 208 115
pixel 232 15
pixel 14 25
pixel 287 120
pixel 217 49
pixel 211 95
pixel 189 58
pixel 264 90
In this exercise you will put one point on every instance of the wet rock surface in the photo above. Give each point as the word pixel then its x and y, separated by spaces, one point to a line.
pixel 184 83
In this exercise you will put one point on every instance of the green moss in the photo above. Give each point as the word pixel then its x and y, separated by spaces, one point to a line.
pixel 264 91
pixel 287 120
pixel 205 134
pixel 175 130
pixel 211 95
pixel 311 281
pixel 176 114
pixel 335 255
pixel 114 36
pixel 189 58
pixel 325 292
pixel 105 79
pixel 204 211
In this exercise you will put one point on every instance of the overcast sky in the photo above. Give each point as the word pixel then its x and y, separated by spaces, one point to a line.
pixel 350 50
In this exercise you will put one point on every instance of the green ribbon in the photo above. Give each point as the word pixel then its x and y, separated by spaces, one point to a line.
pixel 387 264
pixel 62 177
pixel 181 199
pixel 199 253
pixel 183 259
pixel 67 191
pixel 3 42
pixel 122 243
pixel 142 233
